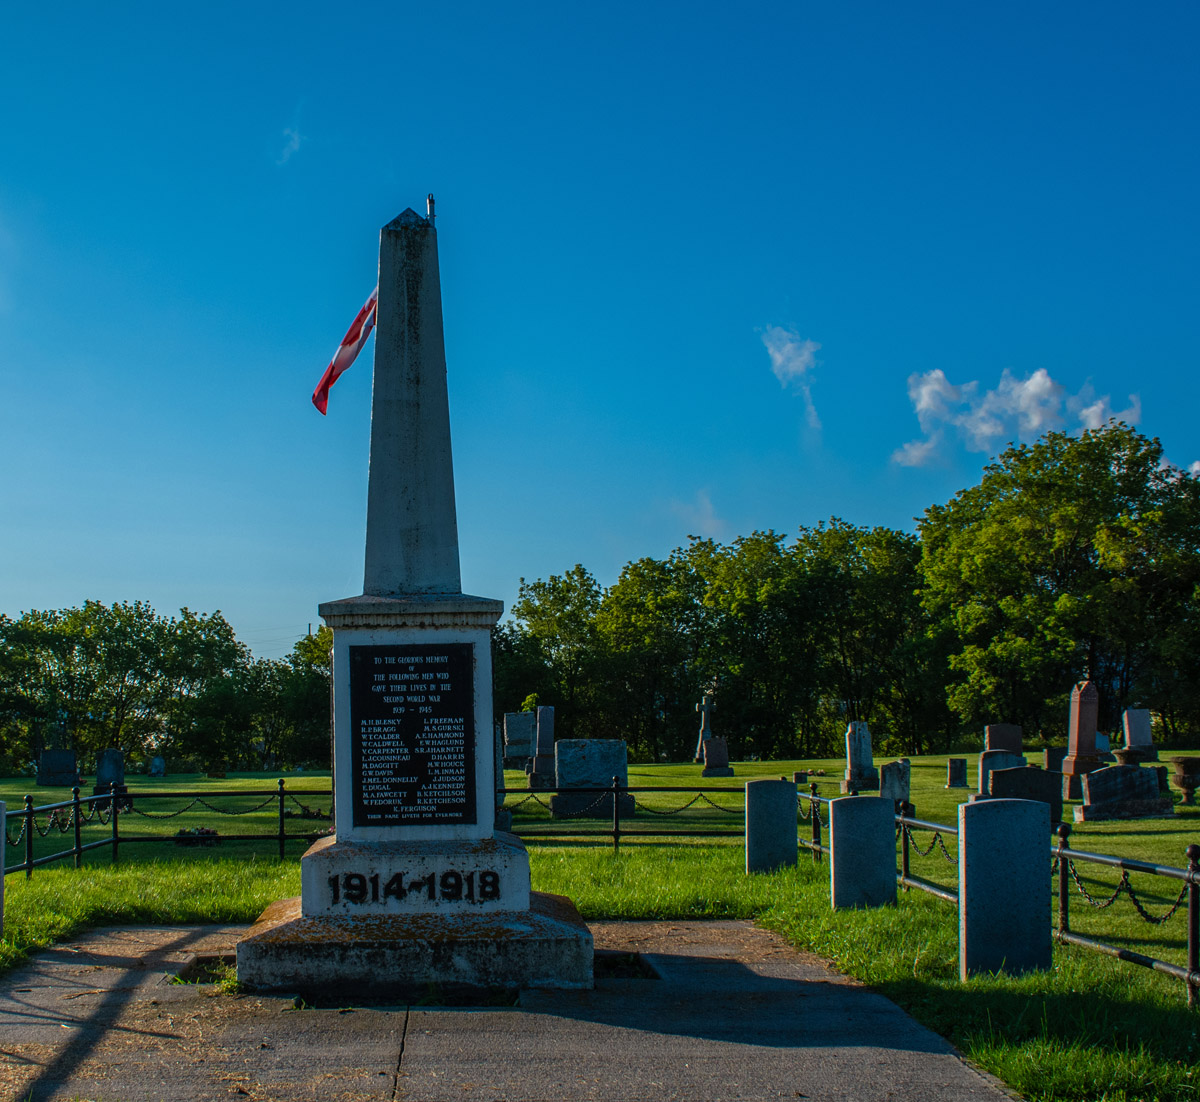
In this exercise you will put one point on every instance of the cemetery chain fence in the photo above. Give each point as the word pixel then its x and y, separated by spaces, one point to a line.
pixel 24 826
pixel 107 811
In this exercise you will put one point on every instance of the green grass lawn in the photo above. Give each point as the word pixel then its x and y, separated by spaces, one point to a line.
pixel 1090 1028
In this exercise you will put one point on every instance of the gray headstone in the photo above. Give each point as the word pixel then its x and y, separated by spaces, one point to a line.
pixel 771 829
pixel 1122 792
pixel 716 758
pixel 158 767
pixel 894 780
pixel 862 852
pixel 1138 733
pixel 956 773
pixel 1003 894
pixel 1028 783
pixel 58 767
pixel 860 768
pixel 1052 758
pixel 1003 736
pixel 110 768
pixel 520 737
pixel 1103 744
pixel 545 730
pixel 590 762
pixel 996 759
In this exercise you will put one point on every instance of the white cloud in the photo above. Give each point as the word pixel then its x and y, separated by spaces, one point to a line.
pixel 1015 409
pixel 1194 469
pixel 792 358
pixel 918 453
pixel 699 515
pixel 293 139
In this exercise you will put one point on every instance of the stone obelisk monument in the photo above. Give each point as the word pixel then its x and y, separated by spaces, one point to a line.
pixel 416 886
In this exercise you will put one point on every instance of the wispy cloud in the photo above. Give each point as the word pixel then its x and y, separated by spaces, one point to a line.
pixel 699 515
pixel 1015 408
pixel 792 359
pixel 293 139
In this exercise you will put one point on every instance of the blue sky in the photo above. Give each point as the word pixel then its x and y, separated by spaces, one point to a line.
pixel 706 269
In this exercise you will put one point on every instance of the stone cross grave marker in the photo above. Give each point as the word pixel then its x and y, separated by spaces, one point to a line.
pixel 705 708
pixel 416 886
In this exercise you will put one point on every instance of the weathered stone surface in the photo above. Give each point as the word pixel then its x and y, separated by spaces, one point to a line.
pixel 396 878
pixel 1028 783
pixel 1003 736
pixel 547 945
pixel 158 767
pixel 590 762
pixel 110 768
pixel 1138 733
pixel 956 773
pixel 1082 756
pixel 1122 792
pixel 1052 758
pixel 996 759
pixel 58 767
pixel 770 825
pixel 544 734
pixel 520 736
pixel 705 709
pixel 894 780
pixel 716 758
pixel 862 852
pixel 861 773
pixel 1004 901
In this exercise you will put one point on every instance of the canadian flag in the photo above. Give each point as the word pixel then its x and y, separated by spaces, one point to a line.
pixel 348 350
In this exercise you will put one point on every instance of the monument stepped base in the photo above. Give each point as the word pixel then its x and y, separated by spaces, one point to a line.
pixel 401 956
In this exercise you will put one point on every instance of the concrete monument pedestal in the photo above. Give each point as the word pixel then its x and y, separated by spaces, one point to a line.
pixel 416 887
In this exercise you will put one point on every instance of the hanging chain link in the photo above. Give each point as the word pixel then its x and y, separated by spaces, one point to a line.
pixel 1125 886
pixel 937 841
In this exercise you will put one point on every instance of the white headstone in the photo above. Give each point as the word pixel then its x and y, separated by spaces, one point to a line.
pixel 771 824
pixel 860 769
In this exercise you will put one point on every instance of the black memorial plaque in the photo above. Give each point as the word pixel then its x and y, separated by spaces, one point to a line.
pixel 412 732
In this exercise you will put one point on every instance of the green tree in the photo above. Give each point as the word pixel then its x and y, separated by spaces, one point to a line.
pixel 1074 557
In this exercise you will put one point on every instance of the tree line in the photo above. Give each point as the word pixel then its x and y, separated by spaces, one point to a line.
pixel 1074 557
pixel 182 687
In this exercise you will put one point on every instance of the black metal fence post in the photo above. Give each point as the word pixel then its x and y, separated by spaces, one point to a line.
pixel 280 818
pixel 1064 872
pixel 75 811
pixel 816 822
pixel 1193 921
pixel 29 829
pixel 616 799
pixel 114 815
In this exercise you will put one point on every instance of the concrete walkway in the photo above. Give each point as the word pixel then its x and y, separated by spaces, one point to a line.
pixel 734 1014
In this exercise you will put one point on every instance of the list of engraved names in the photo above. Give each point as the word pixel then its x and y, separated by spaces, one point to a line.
pixel 412 734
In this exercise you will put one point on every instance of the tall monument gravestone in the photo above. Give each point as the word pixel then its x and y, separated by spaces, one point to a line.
pixel 705 708
pixel 1082 756
pixel 416 886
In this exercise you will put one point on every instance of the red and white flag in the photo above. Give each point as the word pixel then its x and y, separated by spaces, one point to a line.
pixel 348 350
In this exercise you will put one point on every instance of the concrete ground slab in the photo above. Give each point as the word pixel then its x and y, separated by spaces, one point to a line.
pixel 735 1014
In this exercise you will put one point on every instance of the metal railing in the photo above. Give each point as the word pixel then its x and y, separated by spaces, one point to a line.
pixel 73 814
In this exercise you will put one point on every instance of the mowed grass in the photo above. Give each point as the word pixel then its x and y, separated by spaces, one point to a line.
pixel 1090 1028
